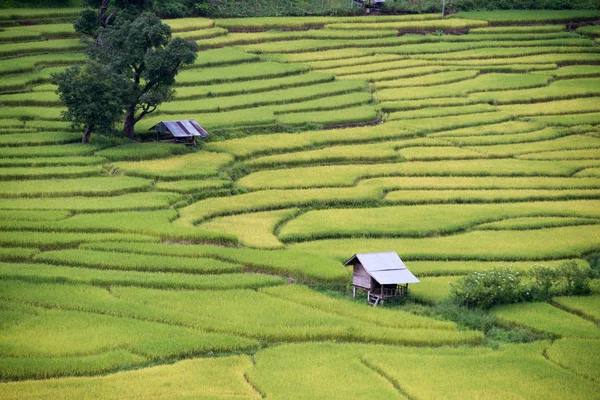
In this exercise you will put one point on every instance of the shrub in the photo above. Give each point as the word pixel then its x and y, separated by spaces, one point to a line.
pixel 486 289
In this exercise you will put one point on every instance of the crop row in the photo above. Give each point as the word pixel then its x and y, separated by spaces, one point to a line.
pixel 426 220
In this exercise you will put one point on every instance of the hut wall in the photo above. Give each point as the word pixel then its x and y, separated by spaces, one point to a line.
pixel 361 277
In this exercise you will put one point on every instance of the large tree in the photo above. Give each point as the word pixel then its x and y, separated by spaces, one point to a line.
pixel 93 95
pixel 143 53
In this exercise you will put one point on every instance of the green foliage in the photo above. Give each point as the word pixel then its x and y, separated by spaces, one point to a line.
pixel 144 55
pixel 505 286
pixel 489 288
pixel 93 96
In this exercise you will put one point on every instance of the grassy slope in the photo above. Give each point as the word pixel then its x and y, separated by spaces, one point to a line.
pixel 130 239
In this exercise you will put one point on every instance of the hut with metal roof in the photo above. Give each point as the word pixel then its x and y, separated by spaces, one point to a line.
pixel 181 131
pixel 382 275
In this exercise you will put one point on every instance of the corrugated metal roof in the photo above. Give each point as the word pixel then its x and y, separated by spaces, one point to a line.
pixel 181 128
pixel 385 268
pixel 394 276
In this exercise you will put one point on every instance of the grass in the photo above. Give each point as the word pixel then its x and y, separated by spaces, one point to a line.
pixel 586 306
pixel 142 151
pixel 300 265
pixel 64 239
pixel 39 273
pixel 473 372
pixel 97 186
pixel 488 196
pixel 517 29
pixel 194 165
pixel 26 139
pixel 45 46
pixel 427 220
pixel 507 17
pixel 252 230
pixel 128 201
pixel 23 64
pixel 449 269
pixel 137 262
pixel 264 98
pixel 346 175
pixel 240 72
pixel 416 26
pixel 428 79
pixel 253 86
pixel 201 377
pixel 537 222
pixel 13 173
pixel 50 161
pixel 543 317
pixel 535 245
pixel 432 290
pixel 364 113
pixel 192 186
pixel 481 83
pixel 577 355
pixel 33 215
pixel 275 143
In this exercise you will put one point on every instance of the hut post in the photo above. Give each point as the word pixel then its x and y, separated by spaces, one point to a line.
pixel 353 292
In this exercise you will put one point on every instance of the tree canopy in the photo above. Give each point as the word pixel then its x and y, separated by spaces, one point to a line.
pixel 93 95
pixel 144 54
pixel 133 61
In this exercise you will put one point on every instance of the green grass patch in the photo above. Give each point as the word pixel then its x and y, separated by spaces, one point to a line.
pixel 137 262
pixel 13 173
pixel 36 139
pixel 191 185
pixel 562 89
pixel 334 117
pixel 224 56
pixel 37 13
pixel 543 317
pixel 64 239
pixel 416 25
pixel 586 306
pixel 280 96
pixel 490 30
pixel 427 220
pixel 537 222
pixel 240 72
pixel 194 165
pixel 300 265
pixel 581 356
pixel 428 79
pixel 446 269
pixel 98 186
pixel 508 17
pixel 274 143
pixel 160 280
pixel 432 290
pixel 44 46
pixel 49 161
pixel 254 229
pixel 487 196
pixel 592 30
pixel 591 154
pixel 253 86
pixel 539 244
pixel 201 377
pixel 440 112
pixel 481 83
pixel 30 63
pixel 128 201
pixel 33 215
pixel 17 254
pixel 346 175
pixel 142 151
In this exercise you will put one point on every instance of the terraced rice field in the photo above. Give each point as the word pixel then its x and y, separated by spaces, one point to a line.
pixel 153 270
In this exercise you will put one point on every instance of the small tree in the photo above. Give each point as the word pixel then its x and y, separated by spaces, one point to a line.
pixel 144 55
pixel 93 96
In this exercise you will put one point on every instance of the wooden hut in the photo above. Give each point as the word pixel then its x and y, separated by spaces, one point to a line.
pixel 182 131
pixel 382 275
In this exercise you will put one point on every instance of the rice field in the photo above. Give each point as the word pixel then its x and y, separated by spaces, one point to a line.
pixel 159 270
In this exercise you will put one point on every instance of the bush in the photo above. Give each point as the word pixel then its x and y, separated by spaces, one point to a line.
pixel 503 285
pixel 500 285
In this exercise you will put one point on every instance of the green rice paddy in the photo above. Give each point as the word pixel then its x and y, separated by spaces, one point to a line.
pixel 159 270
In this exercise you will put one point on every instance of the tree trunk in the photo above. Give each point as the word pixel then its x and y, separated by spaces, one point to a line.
pixel 88 132
pixel 129 123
